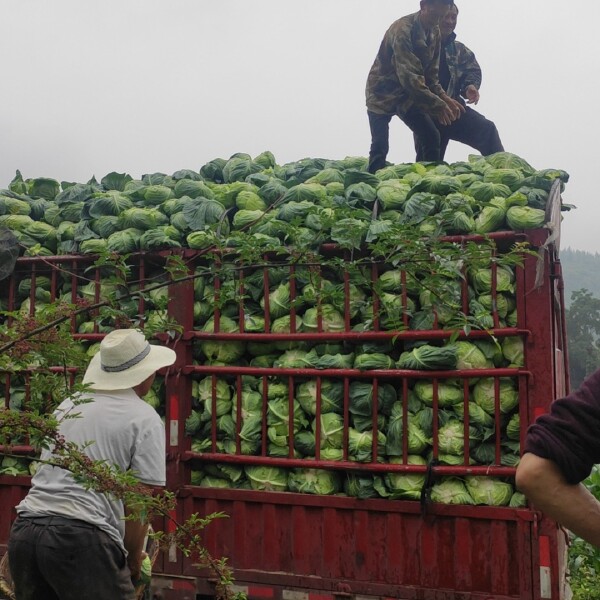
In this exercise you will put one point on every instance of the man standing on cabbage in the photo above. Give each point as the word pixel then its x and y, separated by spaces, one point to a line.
pixel 403 81
pixel 460 76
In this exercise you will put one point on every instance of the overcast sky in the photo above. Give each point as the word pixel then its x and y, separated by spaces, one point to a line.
pixel 138 86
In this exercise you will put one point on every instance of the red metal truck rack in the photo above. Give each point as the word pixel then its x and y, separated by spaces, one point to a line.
pixel 294 546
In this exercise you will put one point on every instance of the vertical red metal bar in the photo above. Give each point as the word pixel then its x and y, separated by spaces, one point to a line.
pixel 292 299
pixel 97 286
pixel 241 295
pixel 74 294
pixel 213 415
pixel 494 292
pixel 346 416
pixel 404 292
pixel 266 291
pixel 436 424
pixel 265 410
pixel 404 420
pixel 467 436
pixel 318 413
pixel 217 296
pixel 291 415
pixel 375 417
pixel 238 414
pixel 347 307
pixel 498 421
pixel 53 283
pixel 32 289
pixel 376 304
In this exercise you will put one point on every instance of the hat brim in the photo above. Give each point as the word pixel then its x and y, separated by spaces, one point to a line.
pixel 97 379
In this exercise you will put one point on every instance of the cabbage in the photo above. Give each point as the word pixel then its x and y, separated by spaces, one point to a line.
pixel 484 191
pixel 513 350
pixel 525 217
pixel 360 445
pixel 331 319
pixel 506 160
pixel 218 350
pixel 248 200
pixel 491 218
pixel 109 203
pixel 405 486
pixel 513 178
pixel 295 359
pixel 165 236
pixel 142 218
pixel 366 362
pixel 469 356
pixel 449 391
pixel 332 430
pixel 334 361
pixel 361 398
pixel 451 490
pixel 503 304
pixel 392 193
pixel 484 395
pixel 477 416
pixel 417 441
pixel 14 206
pixel 238 168
pixel 314 481
pixel 451 438
pixel 278 420
pixel 202 397
pixel 271 479
pixel 326 176
pixel 332 396
pixel 358 485
pixel 191 189
pixel 489 490
pixel 284 325
pixel 92 246
pixel 513 428
pixel 124 241
pixel 482 280
pixel 429 358
pixel 518 500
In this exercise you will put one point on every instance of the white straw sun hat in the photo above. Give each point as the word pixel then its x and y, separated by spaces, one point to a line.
pixel 125 360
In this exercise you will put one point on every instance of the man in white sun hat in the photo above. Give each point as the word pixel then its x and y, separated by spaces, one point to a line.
pixel 69 543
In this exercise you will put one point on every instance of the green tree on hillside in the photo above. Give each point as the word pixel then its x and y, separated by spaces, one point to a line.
pixel 583 335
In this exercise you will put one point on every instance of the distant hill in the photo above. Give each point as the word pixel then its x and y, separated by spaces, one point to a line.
pixel 580 270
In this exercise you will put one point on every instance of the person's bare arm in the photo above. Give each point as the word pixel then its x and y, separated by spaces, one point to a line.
pixel 135 534
pixel 573 506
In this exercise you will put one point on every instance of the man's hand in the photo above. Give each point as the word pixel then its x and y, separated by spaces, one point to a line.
pixel 445 116
pixel 135 565
pixel 472 94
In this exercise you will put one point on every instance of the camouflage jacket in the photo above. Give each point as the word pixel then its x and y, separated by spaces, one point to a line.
pixel 405 71
pixel 463 66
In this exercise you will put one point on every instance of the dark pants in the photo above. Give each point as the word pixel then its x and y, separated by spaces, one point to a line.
pixel 53 558
pixel 422 126
pixel 472 129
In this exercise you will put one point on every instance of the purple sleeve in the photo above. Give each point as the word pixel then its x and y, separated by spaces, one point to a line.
pixel 570 434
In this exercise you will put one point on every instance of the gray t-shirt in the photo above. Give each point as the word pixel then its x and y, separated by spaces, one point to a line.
pixel 121 429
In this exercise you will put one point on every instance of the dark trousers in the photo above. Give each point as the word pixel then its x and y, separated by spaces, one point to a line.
pixel 53 558
pixel 422 126
pixel 472 129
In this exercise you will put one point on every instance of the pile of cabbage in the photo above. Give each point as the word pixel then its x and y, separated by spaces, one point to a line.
pixel 305 204
pixel 318 411
pixel 321 198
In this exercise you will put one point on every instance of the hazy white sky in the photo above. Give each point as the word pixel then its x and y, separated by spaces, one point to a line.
pixel 138 86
